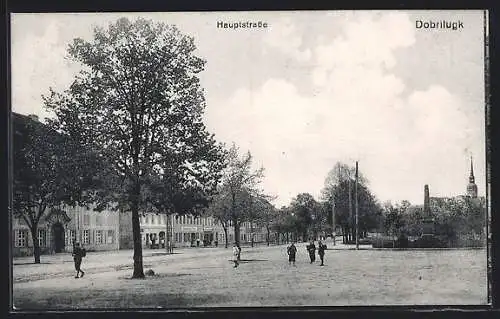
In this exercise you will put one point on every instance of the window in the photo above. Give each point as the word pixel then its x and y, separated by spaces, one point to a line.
pixel 42 238
pixel 86 219
pixel 98 237
pixel 21 236
pixel 98 220
pixel 86 236
pixel 70 239
pixel 111 237
pixel 186 237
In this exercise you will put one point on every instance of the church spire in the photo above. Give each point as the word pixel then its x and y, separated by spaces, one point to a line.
pixel 472 187
pixel 471 176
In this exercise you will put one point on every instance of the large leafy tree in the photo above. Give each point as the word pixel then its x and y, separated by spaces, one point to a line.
pixel 306 209
pixel 137 100
pixel 339 194
pixel 279 223
pixel 265 215
pixel 50 170
pixel 239 186
pixel 458 217
pixel 394 218
pixel 220 209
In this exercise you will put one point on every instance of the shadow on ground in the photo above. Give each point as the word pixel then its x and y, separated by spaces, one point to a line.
pixel 95 299
pixel 32 263
pixel 155 276
pixel 249 260
pixel 127 267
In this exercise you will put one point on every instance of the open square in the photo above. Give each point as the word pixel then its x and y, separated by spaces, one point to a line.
pixel 206 278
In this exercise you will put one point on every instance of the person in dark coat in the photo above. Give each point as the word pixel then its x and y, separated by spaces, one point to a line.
pixel 311 248
pixel 291 251
pixel 78 254
pixel 321 252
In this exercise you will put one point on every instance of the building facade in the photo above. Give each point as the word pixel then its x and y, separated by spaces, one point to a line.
pixel 112 230
pixel 60 228
pixel 190 231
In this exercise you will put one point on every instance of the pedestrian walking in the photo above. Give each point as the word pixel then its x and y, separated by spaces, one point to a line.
pixel 78 254
pixel 311 248
pixel 321 252
pixel 291 251
pixel 236 253
pixel 239 252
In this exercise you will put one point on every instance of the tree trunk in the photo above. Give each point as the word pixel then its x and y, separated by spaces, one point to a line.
pixel 36 246
pixel 225 236
pixel 237 233
pixel 136 231
pixel 251 234
pixel 268 237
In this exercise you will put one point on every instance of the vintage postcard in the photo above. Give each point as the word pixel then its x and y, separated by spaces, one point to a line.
pixel 249 159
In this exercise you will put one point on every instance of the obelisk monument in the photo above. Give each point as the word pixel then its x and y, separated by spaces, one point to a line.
pixel 427 221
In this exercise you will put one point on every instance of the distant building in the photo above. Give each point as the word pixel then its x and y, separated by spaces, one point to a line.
pixel 186 230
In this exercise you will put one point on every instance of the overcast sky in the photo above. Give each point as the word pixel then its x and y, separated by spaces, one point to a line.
pixel 312 89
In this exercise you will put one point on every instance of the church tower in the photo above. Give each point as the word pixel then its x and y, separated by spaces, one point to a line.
pixel 472 187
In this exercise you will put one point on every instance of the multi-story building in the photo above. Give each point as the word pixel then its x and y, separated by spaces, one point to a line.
pixel 60 228
pixel 187 230
pixel 111 230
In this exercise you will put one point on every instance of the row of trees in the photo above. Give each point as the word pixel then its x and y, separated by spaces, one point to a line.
pixel 454 219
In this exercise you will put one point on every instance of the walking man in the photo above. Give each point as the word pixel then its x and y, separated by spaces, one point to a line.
pixel 78 254
pixel 236 253
pixel 291 251
pixel 311 248
pixel 321 252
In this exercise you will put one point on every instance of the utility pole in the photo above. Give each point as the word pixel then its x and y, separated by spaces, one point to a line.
pixel 165 239
pixel 357 204
pixel 334 235
pixel 350 208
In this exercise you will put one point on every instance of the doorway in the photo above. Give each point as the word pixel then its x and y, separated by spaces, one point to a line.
pixel 58 235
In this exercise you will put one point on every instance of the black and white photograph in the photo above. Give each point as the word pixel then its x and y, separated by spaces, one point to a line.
pixel 184 160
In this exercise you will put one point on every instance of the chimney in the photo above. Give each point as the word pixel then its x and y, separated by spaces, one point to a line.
pixel 33 117
pixel 427 210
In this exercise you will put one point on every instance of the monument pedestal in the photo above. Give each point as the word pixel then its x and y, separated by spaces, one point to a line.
pixel 428 226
